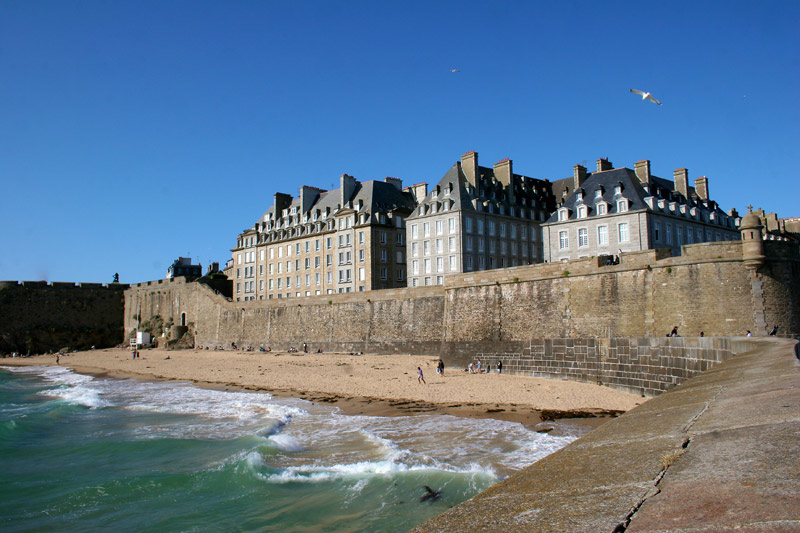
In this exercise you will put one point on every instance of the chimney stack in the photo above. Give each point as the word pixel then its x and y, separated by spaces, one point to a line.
pixel 681 177
pixel 308 195
pixel 604 164
pixel 397 182
pixel 579 176
pixel 701 187
pixel 642 169
pixel 419 191
pixel 282 201
pixel 469 164
pixel 504 174
pixel 346 189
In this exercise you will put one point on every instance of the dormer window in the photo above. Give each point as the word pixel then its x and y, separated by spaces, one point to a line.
pixel 579 194
pixel 602 208
pixel 582 211
pixel 618 188
pixel 622 205
pixel 598 193
pixel 563 214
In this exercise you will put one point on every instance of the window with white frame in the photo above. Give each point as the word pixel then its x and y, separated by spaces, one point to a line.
pixel 583 237
pixel 622 205
pixel 563 240
pixel 602 235
pixel 623 232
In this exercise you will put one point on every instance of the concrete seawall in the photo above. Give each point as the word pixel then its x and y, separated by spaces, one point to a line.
pixel 716 453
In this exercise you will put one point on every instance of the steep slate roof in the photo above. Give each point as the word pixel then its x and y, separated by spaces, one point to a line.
pixel 381 197
pixel 376 196
pixel 632 190
pixel 488 191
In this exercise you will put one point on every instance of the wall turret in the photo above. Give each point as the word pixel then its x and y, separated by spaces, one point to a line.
pixel 752 243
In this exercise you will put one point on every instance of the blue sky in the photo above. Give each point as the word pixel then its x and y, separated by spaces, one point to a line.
pixel 132 133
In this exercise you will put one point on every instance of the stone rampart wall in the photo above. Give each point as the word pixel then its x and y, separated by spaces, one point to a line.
pixel 610 314
pixel 646 366
pixel 40 317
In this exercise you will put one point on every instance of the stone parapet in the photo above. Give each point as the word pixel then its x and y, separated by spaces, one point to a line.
pixel 717 453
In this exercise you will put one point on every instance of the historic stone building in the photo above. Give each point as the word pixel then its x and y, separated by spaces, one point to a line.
pixel 623 210
pixel 323 242
pixel 476 218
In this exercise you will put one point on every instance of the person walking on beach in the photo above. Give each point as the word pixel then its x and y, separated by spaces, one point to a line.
pixel 58 359
pixel 440 368
pixel 499 367
pixel 420 377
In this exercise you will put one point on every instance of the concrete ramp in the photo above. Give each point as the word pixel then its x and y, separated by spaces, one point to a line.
pixel 719 452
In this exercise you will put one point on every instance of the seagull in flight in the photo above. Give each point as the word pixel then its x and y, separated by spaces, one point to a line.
pixel 454 70
pixel 646 96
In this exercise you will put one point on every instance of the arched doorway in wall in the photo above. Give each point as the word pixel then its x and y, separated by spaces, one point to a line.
pixel 183 319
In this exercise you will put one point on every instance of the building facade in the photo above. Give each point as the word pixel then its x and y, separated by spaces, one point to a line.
pixel 183 266
pixel 322 242
pixel 476 218
pixel 623 210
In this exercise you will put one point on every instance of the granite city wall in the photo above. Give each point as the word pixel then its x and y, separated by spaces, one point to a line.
pixel 581 319
pixel 41 317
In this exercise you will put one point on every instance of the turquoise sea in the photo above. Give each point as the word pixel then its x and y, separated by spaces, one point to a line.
pixel 82 453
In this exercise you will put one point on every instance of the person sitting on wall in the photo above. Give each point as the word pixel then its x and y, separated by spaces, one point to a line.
pixel 774 331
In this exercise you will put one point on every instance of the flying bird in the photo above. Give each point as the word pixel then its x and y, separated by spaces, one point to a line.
pixel 431 494
pixel 646 96
pixel 454 70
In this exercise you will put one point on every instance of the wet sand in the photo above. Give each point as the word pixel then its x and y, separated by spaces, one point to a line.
pixel 378 385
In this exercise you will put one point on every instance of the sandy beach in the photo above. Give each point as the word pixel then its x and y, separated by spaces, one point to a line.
pixel 360 384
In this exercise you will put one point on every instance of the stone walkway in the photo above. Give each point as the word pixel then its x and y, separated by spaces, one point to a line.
pixel 719 452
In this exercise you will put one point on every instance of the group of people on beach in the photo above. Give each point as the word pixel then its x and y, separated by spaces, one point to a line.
pixel 477 368
pixel 472 369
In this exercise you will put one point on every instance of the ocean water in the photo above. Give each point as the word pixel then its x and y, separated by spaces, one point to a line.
pixel 80 453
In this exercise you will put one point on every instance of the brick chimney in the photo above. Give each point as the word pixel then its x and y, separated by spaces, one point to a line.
pixel 701 187
pixel 642 169
pixel 469 164
pixel 579 176
pixel 346 188
pixel 504 174
pixel 604 164
pixel 681 177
